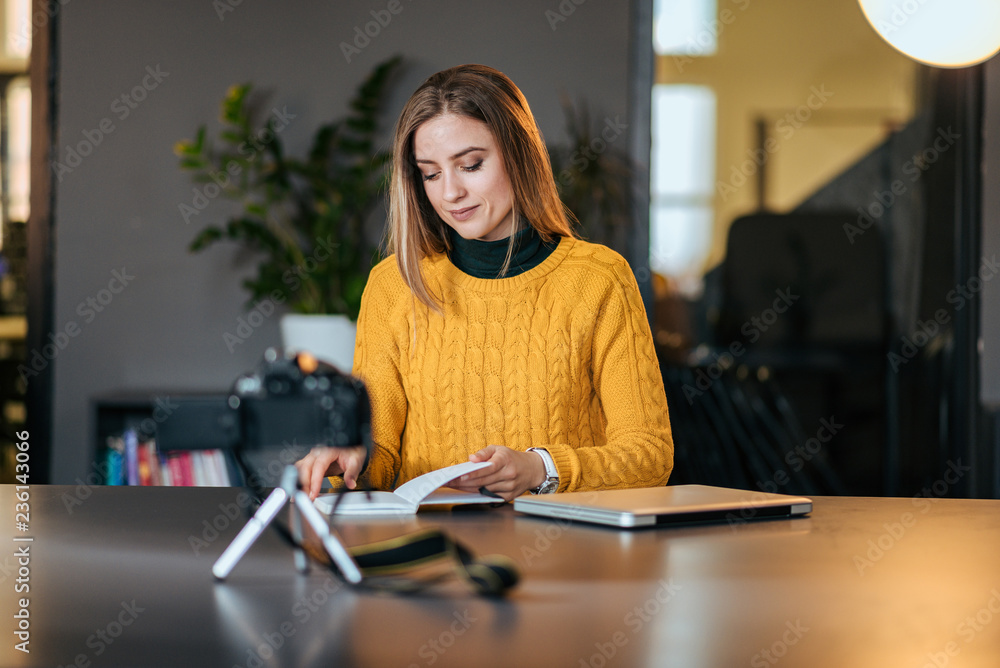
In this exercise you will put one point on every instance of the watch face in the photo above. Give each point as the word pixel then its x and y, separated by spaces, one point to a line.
pixel 548 487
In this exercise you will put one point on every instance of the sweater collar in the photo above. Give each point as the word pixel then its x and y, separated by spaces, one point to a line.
pixel 484 259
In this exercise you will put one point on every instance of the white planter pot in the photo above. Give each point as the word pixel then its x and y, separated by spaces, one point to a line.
pixel 327 337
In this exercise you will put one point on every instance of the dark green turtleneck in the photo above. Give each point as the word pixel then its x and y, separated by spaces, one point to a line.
pixel 484 259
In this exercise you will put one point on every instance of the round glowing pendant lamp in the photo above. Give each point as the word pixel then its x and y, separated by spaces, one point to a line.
pixel 942 33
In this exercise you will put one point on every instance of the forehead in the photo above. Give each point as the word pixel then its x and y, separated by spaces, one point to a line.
pixel 444 136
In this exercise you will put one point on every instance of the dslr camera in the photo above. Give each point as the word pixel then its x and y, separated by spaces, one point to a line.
pixel 285 400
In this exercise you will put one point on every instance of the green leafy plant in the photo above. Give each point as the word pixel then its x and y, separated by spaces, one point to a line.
pixel 305 218
pixel 593 174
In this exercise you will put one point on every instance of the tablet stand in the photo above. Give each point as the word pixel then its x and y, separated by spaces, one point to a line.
pixel 301 506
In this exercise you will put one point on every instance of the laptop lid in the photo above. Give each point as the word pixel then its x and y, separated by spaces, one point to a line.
pixel 675 504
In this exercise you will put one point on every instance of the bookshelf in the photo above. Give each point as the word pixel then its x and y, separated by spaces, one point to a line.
pixel 125 441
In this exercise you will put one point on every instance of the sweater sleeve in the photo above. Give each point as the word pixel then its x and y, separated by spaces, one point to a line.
pixel 638 450
pixel 376 363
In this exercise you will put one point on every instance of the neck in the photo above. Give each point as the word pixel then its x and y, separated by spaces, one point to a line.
pixel 485 259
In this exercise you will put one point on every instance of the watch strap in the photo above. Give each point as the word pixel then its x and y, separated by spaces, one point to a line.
pixel 551 472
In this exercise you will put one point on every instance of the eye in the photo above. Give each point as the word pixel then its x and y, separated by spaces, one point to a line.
pixel 429 177
pixel 473 168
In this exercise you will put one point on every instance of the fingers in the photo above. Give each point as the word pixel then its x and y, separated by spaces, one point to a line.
pixel 512 473
pixel 316 474
pixel 484 476
pixel 352 462
pixel 315 466
pixel 322 462
pixel 304 467
pixel 486 453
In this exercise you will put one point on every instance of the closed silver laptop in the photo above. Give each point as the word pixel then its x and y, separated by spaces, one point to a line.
pixel 674 504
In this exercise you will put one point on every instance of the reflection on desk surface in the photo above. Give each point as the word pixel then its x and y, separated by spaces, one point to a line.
pixel 861 582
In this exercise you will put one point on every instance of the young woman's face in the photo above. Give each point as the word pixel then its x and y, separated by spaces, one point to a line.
pixel 464 176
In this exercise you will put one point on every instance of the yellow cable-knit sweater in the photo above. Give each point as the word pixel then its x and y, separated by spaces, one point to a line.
pixel 559 357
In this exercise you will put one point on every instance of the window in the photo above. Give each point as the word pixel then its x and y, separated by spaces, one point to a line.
pixel 684 27
pixel 17 15
pixel 682 161
pixel 18 148
pixel 682 175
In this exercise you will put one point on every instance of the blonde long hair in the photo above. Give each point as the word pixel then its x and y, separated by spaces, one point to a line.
pixel 487 95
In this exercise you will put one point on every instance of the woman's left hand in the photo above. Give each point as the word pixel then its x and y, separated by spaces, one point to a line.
pixel 513 472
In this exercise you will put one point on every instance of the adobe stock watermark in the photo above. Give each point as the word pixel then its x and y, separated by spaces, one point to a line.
pixel 26 31
pixel 223 7
pixel 925 331
pixel 363 35
pixel 435 647
pixel 967 630
pixel 163 408
pixel 545 537
pixel 900 15
pixel 38 360
pixel 798 457
pixel 635 620
pixel 895 531
pixel 249 150
pixel 229 513
pixel 122 107
pixel 103 638
pixel 583 157
pixel 914 168
pixel 752 329
pixel 791 636
pixel 271 642
pixel 786 127
pixel 233 511
pixel 562 12
pixel 708 34
pixel 265 308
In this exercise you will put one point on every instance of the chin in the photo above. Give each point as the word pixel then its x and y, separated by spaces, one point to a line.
pixel 470 234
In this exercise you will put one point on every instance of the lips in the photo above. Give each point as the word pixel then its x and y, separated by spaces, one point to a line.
pixel 463 214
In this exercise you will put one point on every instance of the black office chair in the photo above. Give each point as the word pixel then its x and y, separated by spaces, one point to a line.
pixel 798 298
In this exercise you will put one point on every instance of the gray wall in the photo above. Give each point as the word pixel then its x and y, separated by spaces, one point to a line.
pixel 990 363
pixel 117 209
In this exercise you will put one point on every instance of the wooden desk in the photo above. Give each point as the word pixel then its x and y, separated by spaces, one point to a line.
pixel 862 582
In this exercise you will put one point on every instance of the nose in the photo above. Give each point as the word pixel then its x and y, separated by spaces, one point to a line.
pixel 453 190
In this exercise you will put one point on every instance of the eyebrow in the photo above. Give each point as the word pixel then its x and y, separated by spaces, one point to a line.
pixel 454 157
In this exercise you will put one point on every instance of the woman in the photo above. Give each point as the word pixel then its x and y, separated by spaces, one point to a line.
pixel 491 333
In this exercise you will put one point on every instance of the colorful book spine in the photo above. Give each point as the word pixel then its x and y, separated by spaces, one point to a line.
pixel 198 465
pixel 115 468
pixel 220 477
pixel 113 474
pixel 131 457
pixel 155 472
pixel 166 478
pixel 176 472
pixel 187 469
pixel 145 471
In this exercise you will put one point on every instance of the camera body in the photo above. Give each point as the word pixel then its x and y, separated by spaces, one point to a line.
pixel 281 402
pixel 284 401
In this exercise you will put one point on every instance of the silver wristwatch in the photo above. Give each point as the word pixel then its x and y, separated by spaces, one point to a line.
pixel 551 482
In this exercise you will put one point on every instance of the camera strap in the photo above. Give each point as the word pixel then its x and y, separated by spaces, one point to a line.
pixel 414 562
pixel 399 564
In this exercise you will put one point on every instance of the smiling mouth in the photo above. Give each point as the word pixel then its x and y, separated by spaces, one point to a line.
pixel 463 214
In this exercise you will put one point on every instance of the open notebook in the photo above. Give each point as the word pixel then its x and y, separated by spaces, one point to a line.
pixel 423 490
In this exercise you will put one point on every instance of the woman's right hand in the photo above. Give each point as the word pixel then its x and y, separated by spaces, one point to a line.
pixel 322 462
